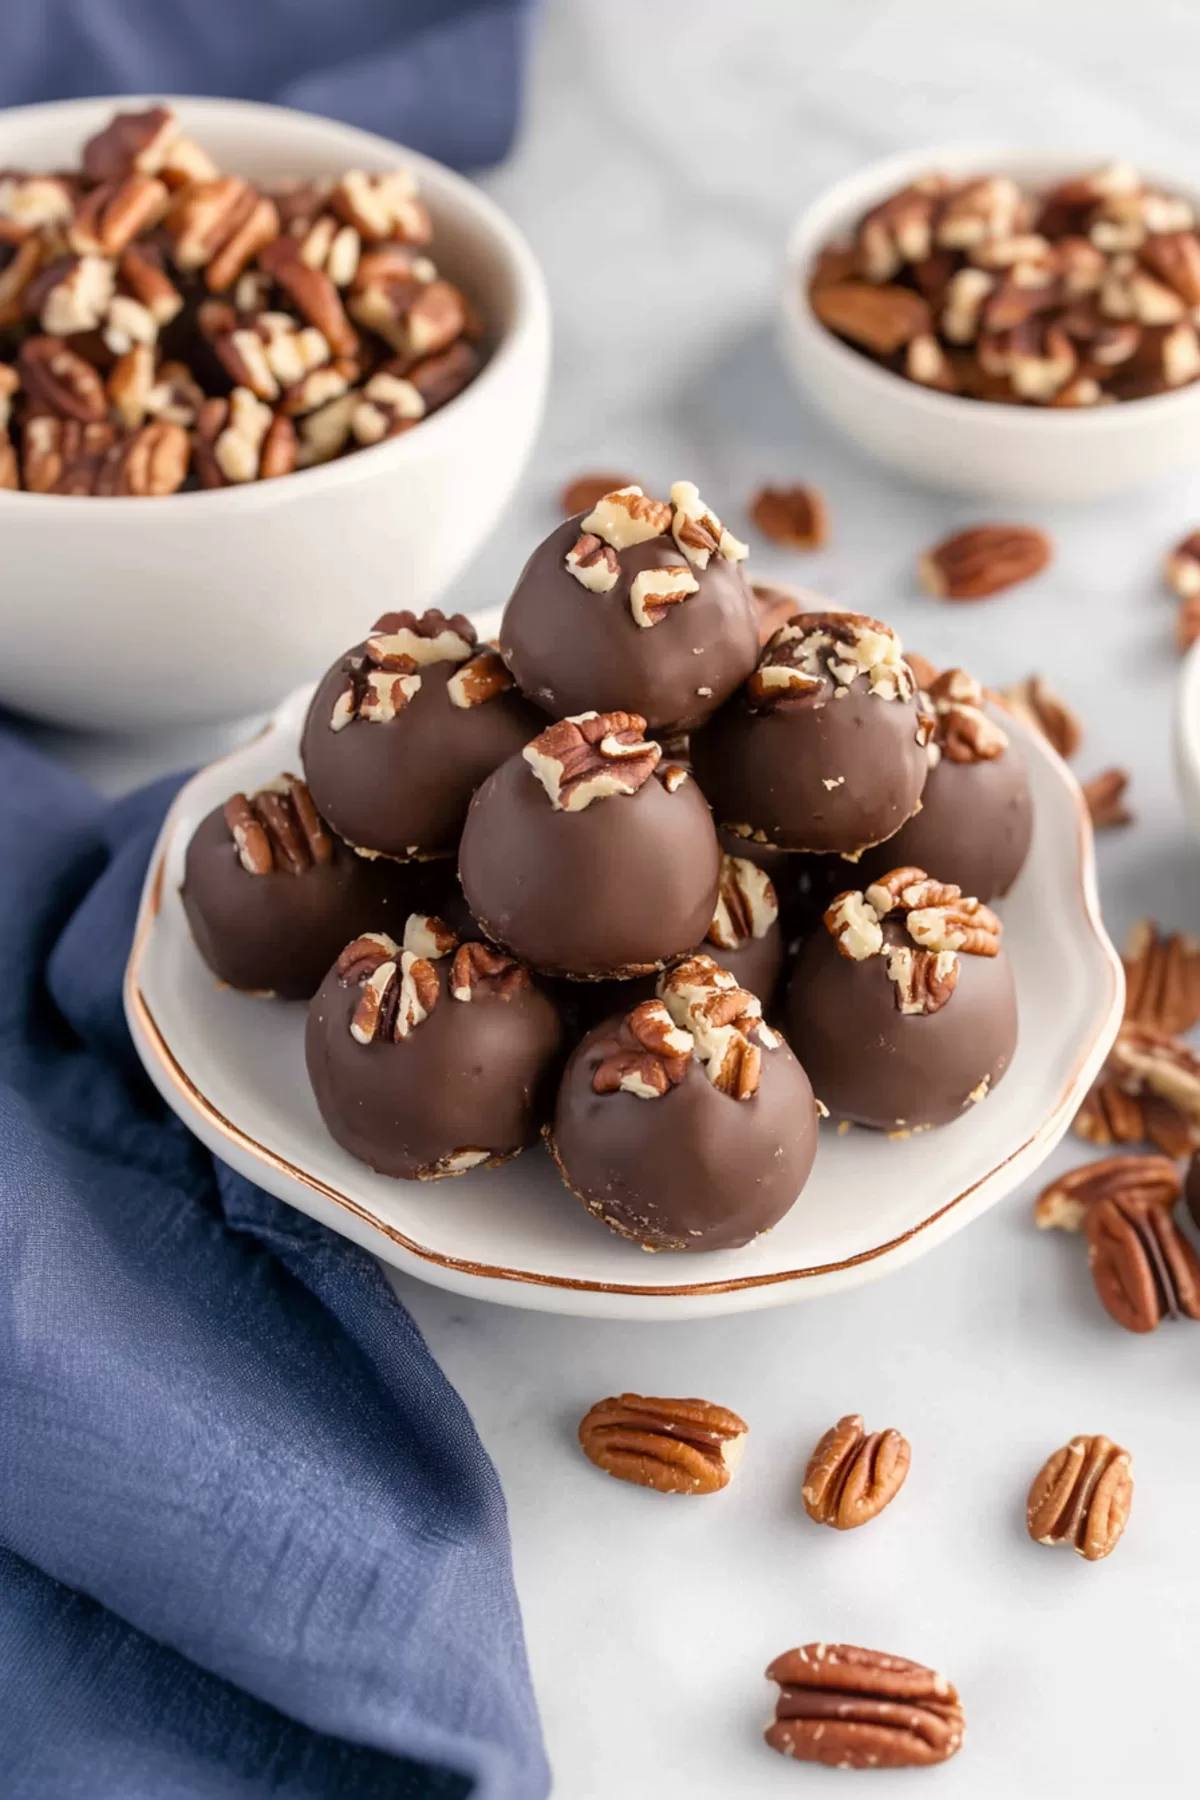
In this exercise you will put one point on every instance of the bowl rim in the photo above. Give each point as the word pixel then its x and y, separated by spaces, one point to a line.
pixel 530 320
pixel 816 223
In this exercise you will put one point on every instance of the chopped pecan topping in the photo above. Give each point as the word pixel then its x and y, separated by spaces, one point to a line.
pixel 1144 1269
pixel 653 592
pixel 879 319
pixel 1105 797
pixel 360 959
pixel 795 516
pixel 482 678
pixel 381 206
pixel 586 491
pixel 591 756
pixel 398 994
pixel 940 920
pixel 131 143
pixel 1035 701
pixel 698 531
pixel 860 1709
pixel 724 1021
pixel 656 1060
pixel 819 652
pixel 747 904
pixel 963 733
pixel 675 1446
pixel 481 973
pixel 672 776
pixel 1082 1497
pixel 58 381
pixel 854 925
pixel 852 1476
pixel 278 829
pixel 374 693
pixel 428 936
pixel 1162 978
pixel 1065 1202
pixel 627 517
pixel 983 560
pixel 923 979
pixel 429 638
pixel 593 563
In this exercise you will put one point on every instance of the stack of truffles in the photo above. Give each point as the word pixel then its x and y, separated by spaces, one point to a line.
pixel 603 972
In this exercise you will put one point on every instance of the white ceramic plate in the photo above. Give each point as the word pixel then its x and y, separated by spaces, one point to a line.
pixel 232 1067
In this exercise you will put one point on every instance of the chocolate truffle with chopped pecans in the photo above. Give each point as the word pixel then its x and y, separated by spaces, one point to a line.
pixel 639 605
pixel 402 730
pixel 589 855
pixel 976 817
pixel 272 895
pixel 431 1057
pixel 902 1007
pixel 686 1123
pixel 824 748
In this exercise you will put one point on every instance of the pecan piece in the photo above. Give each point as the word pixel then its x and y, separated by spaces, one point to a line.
pixel 861 1709
pixel 794 516
pixel 481 678
pixel 154 460
pixel 388 406
pixel 1181 567
pixel 109 217
pixel 879 319
pixel 747 904
pixel 1162 978
pixel 131 143
pixel 586 491
pixel 381 206
pixel 963 732
pixel 221 226
pixel 71 294
pixel 241 439
pixel 1035 701
pixel 924 980
pixel 278 829
pixel 851 1476
pixel 1144 1269
pixel 439 378
pixel 429 638
pixel 397 995
pixel 983 560
pixel 822 651
pixel 724 1020
pixel 592 756
pixel 1065 1202
pixel 59 382
pixel 1082 1497
pixel 311 292
pixel 1105 797
pixel 627 517
pixel 593 563
pixel 698 531
pixel 653 592
pixel 481 973
pixel 657 1060
pixel 144 273
pixel 674 1446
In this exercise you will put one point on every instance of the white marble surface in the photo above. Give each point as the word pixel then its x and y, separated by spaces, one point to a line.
pixel 666 148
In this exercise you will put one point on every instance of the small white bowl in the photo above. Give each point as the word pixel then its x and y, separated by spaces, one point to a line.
pixel 1187 735
pixel 1019 453
pixel 132 613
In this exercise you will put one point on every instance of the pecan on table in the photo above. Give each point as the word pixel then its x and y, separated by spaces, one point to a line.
pixel 879 319
pixel 278 829
pixel 1065 1202
pixel 1105 798
pixel 674 1446
pixel 1144 1269
pixel 591 757
pixel 861 1709
pixel 983 560
pixel 1162 976
pixel 1082 1497
pixel 1035 701
pixel 852 1475
pixel 586 491
pixel 794 516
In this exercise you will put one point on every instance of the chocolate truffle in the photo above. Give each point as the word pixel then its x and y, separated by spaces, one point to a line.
pixel 824 747
pixel 272 895
pixel 403 729
pixel 430 1057
pixel 640 605
pixel 588 856
pixel 976 817
pixel 902 1008
pixel 686 1124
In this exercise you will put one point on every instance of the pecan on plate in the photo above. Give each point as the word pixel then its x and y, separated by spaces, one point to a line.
pixel 481 973
pixel 219 227
pixel 851 1476
pixel 1144 1269
pixel 725 1022
pixel 794 516
pixel 1162 977
pixel 1035 701
pixel 747 904
pixel 963 732
pixel 879 319
pixel 674 1446
pixel 586 491
pixel 1065 1202
pixel 592 756
pixel 983 560
pixel 657 1058
pixel 1082 1497
pixel 861 1709
pixel 398 994
pixel 1105 798
pixel 278 829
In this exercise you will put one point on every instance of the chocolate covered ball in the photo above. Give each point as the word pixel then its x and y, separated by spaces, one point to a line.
pixel 402 730
pixel 589 856
pixel 429 1058
pixel 976 818
pixel 823 749
pixel 902 1006
pixel 640 606
pixel 686 1124
pixel 272 895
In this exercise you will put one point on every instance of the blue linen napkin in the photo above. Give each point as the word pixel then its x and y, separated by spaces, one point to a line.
pixel 443 76
pixel 249 1541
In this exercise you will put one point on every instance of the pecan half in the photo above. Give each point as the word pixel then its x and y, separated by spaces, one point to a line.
pixel 131 143
pixel 396 997
pixel 60 382
pixel 481 678
pixel 428 637
pixel 963 733
pixel 143 272
pixel 241 439
pixel 795 516
pixel 71 295
pixel 1065 1202
pixel 110 216
pixel 861 1709
pixel 586 491
pixel 1105 797
pixel 428 936
pixel 725 1022
pixel 220 227
pixel 1082 1497
pixel 1162 978
pixel 481 973
pixel 62 455
pixel 924 980
pixel 820 652
pixel 591 756
pixel 278 829
pixel 747 904
pixel 852 1476
pixel 697 530
pixel 439 378
pixel 1144 1269
pixel 1035 701
pixel 311 292
pixel 879 319
pixel 938 915
pixel 674 1446
pixel 983 560
pixel 627 517
pixel 656 1060
pixel 854 925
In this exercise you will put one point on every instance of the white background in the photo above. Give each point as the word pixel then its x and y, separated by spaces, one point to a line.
pixel 665 149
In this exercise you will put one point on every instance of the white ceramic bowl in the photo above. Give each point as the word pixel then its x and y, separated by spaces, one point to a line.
pixel 1018 453
pixel 232 1067
pixel 1187 735
pixel 127 613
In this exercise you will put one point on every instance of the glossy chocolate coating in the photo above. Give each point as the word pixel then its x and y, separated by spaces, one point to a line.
pixel 872 1063
pixel 694 1169
pixel 473 1075
pixel 974 827
pixel 402 786
pixel 616 889
pixel 279 933
pixel 768 769
pixel 574 651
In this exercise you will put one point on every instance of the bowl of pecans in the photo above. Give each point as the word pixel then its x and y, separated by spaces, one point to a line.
pixel 1016 323
pixel 322 358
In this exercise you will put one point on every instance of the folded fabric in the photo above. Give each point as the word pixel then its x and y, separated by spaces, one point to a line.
pixel 249 1541
pixel 443 76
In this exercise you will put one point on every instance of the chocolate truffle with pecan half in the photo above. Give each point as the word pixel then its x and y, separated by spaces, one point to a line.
pixel 402 730
pixel 272 895
pixel 590 856
pixel 686 1124
pixel 431 1057
pixel 902 1008
pixel 976 817
pixel 639 605
pixel 824 747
